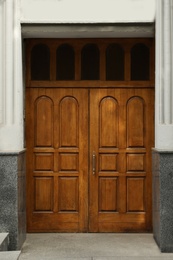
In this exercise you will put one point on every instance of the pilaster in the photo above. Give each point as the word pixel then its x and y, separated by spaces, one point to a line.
pixel 163 152
pixel 164 78
pixel 11 89
pixel 12 156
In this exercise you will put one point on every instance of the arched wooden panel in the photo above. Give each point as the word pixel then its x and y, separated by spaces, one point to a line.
pixel 140 62
pixel 40 62
pixel 135 122
pixel 114 62
pixel 108 122
pixel 90 63
pixel 69 110
pixel 43 120
pixel 65 62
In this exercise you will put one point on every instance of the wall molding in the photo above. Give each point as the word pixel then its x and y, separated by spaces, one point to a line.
pixel 117 30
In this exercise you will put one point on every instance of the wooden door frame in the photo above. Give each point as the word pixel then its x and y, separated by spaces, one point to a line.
pixel 102 83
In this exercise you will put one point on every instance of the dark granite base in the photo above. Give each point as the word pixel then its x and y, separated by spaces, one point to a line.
pixel 12 197
pixel 163 199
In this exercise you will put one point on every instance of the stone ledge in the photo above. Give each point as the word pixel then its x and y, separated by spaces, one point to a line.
pixel 162 150
pixel 10 255
pixel 16 152
pixel 4 241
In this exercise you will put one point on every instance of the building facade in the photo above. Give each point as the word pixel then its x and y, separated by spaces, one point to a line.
pixel 32 156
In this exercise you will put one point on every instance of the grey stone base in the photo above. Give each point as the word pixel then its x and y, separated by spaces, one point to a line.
pixel 4 241
pixel 12 255
pixel 12 197
pixel 163 199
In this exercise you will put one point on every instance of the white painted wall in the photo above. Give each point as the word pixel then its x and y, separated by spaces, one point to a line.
pixel 15 12
pixel 87 11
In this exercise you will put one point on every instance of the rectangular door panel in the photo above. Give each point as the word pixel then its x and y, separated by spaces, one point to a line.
pixel 68 194
pixel 108 194
pixel 43 194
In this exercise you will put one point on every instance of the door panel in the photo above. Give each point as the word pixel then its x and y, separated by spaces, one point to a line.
pixel 121 137
pixel 57 159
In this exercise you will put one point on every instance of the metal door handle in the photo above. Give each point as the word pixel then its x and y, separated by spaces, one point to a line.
pixel 94 163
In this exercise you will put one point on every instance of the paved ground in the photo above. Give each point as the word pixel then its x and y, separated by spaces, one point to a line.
pixel 57 246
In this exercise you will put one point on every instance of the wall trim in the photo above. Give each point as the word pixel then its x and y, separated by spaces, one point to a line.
pixel 117 30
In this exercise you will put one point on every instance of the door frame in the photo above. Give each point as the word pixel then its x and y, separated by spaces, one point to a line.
pixel 152 65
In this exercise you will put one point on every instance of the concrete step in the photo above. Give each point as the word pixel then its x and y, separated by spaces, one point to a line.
pixel 4 240
pixel 9 255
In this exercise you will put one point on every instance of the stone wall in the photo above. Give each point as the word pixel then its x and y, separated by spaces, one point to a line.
pixel 163 199
pixel 12 197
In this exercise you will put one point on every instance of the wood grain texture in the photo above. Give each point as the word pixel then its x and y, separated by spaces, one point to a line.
pixel 57 158
pixel 121 188
pixel 67 121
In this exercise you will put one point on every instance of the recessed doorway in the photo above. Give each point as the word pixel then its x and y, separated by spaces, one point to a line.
pixel 89 134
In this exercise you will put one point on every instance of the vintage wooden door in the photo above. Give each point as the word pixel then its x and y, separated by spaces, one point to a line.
pixel 57 159
pixel 88 136
pixel 121 124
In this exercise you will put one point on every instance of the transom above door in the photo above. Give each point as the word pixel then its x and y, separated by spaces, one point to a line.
pixel 106 62
pixel 89 133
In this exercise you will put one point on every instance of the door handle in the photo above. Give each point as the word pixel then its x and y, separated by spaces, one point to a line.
pixel 94 163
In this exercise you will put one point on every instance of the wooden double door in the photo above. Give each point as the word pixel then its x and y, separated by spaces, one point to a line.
pixel 89 159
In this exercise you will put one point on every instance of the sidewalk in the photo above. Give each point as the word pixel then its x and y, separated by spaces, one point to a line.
pixel 102 246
